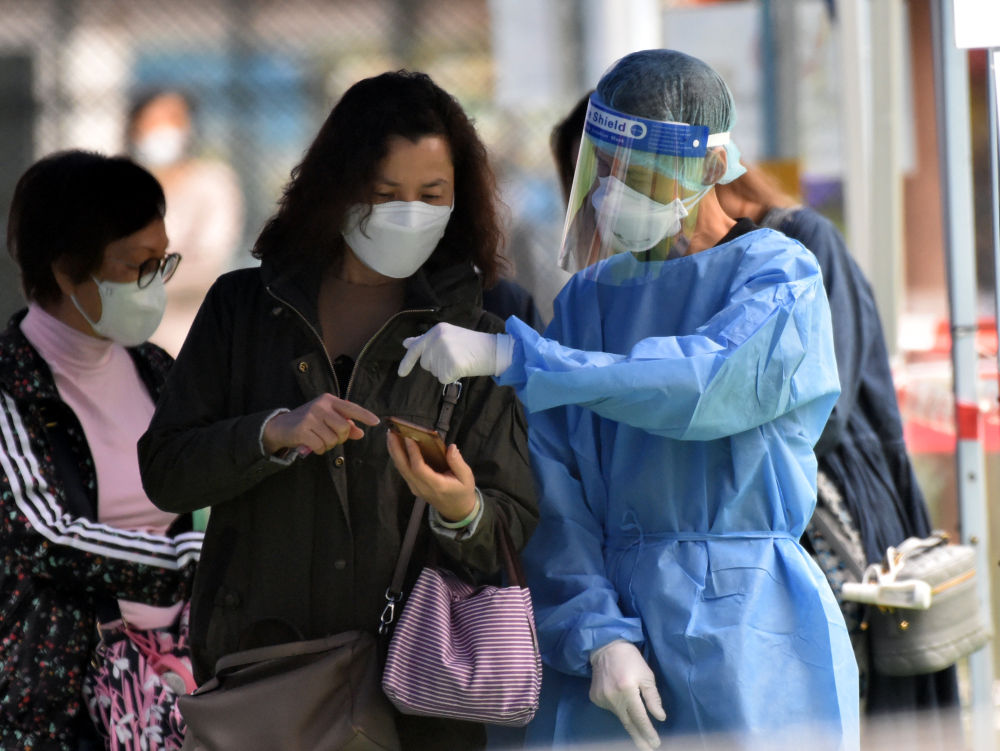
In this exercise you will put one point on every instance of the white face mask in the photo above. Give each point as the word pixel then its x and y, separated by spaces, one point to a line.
pixel 398 236
pixel 161 146
pixel 633 220
pixel 129 315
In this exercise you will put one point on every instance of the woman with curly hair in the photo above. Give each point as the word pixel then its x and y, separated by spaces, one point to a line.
pixel 272 413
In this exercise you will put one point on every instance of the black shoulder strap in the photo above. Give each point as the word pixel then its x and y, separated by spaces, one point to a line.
pixel 449 399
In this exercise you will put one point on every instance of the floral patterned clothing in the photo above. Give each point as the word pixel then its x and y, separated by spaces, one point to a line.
pixel 58 561
pixel 132 698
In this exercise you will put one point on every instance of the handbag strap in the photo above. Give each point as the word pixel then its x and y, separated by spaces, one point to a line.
pixel 236 660
pixel 449 398
pixel 511 560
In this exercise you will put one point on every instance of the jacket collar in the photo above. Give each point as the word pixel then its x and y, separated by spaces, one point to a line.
pixel 25 375
pixel 23 372
pixel 440 289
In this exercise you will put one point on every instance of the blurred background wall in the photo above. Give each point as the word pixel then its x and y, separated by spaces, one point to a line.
pixel 264 73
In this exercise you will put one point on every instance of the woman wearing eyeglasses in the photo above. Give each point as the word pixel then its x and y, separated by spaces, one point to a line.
pixel 83 547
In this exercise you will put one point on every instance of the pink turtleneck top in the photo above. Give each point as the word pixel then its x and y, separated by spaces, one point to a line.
pixel 99 382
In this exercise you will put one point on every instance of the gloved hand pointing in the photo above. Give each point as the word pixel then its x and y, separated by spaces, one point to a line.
pixel 622 681
pixel 450 352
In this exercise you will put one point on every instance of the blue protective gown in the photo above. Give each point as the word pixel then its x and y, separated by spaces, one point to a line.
pixel 672 420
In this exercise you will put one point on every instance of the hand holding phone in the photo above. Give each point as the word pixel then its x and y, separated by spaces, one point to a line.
pixel 432 448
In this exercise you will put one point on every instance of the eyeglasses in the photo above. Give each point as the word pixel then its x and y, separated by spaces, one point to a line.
pixel 165 267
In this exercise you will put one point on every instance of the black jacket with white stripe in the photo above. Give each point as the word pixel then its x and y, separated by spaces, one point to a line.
pixel 58 561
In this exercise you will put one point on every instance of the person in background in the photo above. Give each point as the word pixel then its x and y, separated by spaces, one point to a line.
pixel 508 298
pixel 564 143
pixel 205 221
pixel 673 404
pixel 388 226
pixel 865 474
pixel 81 542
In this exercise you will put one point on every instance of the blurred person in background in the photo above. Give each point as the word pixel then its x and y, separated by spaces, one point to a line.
pixel 82 545
pixel 508 298
pixel 205 201
pixel 673 406
pixel 564 143
pixel 387 227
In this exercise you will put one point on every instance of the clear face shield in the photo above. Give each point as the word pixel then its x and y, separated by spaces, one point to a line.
pixel 635 191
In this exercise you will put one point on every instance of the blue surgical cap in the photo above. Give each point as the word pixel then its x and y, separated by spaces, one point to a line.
pixel 670 86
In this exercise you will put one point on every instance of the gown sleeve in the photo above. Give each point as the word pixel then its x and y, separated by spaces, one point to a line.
pixel 768 350
pixel 764 352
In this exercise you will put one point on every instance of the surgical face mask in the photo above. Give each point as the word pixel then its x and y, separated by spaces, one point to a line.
pixel 634 221
pixel 161 146
pixel 398 236
pixel 129 315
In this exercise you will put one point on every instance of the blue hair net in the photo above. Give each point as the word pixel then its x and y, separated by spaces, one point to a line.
pixel 670 86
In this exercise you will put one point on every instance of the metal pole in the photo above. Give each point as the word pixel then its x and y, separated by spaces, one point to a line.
pixel 781 71
pixel 769 67
pixel 993 56
pixel 953 118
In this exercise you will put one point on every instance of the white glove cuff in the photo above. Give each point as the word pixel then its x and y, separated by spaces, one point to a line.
pixel 600 650
pixel 504 353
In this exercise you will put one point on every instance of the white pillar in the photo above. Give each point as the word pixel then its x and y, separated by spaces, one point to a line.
pixel 885 261
pixel 854 43
pixel 529 49
pixel 613 28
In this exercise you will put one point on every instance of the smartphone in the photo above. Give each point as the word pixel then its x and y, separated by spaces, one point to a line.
pixel 431 446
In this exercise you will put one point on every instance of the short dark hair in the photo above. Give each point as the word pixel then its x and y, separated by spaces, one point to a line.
pixel 68 207
pixel 339 170
pixel 564 141
pixel 142 98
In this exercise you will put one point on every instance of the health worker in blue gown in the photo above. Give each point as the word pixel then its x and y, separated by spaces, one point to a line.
pixel 674 402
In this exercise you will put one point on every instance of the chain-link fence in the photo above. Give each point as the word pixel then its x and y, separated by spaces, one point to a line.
pixel 262 74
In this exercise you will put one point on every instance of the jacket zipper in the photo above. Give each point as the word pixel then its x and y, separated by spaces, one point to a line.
pixel 311 328
pixel 374 336
pixel 364 349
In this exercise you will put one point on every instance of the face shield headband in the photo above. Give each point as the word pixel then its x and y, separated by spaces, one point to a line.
pixel 636 181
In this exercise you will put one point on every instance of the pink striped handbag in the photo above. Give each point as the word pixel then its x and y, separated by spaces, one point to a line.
pixel 466 652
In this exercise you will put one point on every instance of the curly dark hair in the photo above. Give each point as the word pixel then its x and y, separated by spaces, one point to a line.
pixel 68 207
pixel 339 170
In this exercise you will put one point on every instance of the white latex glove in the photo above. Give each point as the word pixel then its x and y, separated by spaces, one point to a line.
pixel 450 352
pixel 622 681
